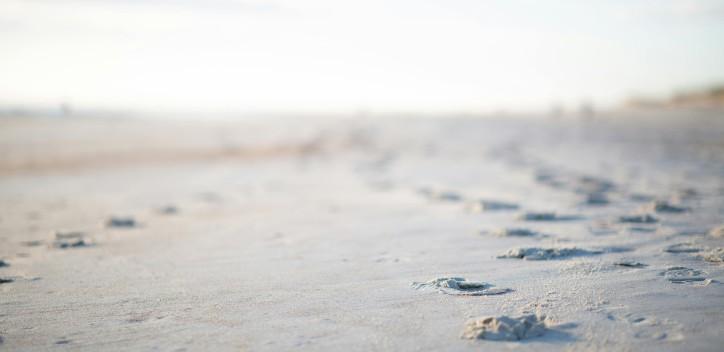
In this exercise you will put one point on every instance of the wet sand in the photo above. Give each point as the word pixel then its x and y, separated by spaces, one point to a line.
pixel 309 234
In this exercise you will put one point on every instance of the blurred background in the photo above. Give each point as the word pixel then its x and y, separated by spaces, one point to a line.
pixel 248 58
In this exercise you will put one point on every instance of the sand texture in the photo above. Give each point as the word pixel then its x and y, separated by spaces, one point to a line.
pixel 306 234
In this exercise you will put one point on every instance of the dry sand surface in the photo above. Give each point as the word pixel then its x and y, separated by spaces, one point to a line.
pixel 411 234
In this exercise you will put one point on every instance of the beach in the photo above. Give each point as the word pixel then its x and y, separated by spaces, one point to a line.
pixel 309 234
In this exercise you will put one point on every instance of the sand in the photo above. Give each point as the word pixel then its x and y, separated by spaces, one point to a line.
pixel 628 263
pixel 491 205
pixel 306 233
pixel 638 219
pixel 537 253
pixel 516 232
pixel 715 255
pixel 505 328
pixel 460 286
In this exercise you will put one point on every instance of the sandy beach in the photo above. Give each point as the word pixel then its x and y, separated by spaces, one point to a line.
pixel 329 234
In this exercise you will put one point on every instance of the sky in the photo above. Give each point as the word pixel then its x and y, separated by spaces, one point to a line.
pixel 347 56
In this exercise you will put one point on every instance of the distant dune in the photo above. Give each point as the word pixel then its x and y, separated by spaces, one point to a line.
pixel 705 98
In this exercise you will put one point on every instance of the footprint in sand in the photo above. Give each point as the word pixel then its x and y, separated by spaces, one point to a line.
pixel 506 328
pixel 660 206
pixel 537 253
pixel 638 219
pixel 641 229
pixel 650 327
pixel 546 216
pixel 483 205
pixel 682 248
pixel 460 286
pixel 515 232
pixel 596 199
pixel 638 197
pixel 627 263
pixel 684 275
pixel 685 194
pixel 209 197
pixel 443 196
pixel 34 243
pixel 126 222
pixel 549 179
pixel 72 239
pixel 691 232
pixel 602 229
pixel 168 210
pixel 590 184
pixel 581 185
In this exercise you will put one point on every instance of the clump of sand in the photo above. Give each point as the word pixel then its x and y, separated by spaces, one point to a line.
pixel 715 255
pixel 505 328
pixel 717 232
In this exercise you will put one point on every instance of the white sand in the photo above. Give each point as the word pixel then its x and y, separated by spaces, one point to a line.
pixel 307 235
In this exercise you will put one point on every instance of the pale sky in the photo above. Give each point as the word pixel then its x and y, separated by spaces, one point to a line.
pixel 343 56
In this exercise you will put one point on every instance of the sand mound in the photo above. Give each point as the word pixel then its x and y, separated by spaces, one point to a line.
pixel 505 328
pixel 715 255
pixel 717 232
